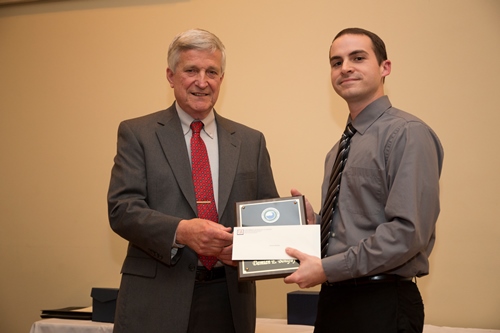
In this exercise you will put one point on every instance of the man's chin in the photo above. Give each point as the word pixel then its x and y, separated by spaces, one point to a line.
pixel 199 111
pixel 347 93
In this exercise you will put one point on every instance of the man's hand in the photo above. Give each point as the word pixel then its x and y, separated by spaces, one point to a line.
pixel 309 209
pixel 226 256
pixel 310 272
pixel 203 236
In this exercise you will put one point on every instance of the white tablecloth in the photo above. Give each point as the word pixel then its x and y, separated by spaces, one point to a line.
pixel 54 325
pixel 264 325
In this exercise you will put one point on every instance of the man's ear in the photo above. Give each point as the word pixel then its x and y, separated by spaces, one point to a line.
pixel 385 68
pixel 170 77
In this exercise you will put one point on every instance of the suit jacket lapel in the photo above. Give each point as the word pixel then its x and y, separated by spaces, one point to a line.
pixel 229 152
pixel 173 144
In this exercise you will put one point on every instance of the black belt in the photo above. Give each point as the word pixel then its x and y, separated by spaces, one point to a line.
pixel 370 279
pixel 203 274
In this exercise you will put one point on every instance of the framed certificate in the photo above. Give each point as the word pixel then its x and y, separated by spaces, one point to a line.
pixel 275 212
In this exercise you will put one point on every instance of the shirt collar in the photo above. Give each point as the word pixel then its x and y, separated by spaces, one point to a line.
pixel 209 122
pixel 370 113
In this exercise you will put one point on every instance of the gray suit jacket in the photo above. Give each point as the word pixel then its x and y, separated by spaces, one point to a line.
pixel 151 191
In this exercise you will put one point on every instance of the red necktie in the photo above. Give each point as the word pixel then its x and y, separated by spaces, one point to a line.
pixel 203 187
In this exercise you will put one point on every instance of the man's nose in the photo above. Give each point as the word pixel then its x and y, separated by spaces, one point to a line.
pixel 347 67
pixel 201 79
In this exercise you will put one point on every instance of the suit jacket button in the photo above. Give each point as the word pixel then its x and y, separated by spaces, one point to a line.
pixel 192 267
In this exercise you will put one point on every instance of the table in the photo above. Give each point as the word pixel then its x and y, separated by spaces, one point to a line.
pixel 54 325
pixel 264 325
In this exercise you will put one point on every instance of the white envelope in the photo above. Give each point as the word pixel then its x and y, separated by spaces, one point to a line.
pixel 270 242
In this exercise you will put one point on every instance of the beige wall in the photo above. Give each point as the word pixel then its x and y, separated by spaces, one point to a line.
pixel 71 70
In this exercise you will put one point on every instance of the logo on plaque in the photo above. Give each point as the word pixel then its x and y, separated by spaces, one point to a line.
pixel 270 215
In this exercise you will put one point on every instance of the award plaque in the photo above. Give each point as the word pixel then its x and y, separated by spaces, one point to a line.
pixel 276 212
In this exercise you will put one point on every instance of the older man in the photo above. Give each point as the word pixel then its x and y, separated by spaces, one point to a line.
pixel 174 184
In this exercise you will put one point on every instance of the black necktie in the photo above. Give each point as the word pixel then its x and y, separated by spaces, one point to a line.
pixel 334 187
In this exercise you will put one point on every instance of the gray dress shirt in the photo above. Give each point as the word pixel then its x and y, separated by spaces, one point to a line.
pixel 389 196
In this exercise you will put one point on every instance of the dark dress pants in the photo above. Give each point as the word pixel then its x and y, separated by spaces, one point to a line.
pixel 377 307
pixel 210 309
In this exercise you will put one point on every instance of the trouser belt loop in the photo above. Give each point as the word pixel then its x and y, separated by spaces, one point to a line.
pixel 204 275
pixel 381 278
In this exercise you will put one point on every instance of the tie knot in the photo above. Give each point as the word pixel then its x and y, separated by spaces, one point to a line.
pixel 196 126
pixel 349 130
